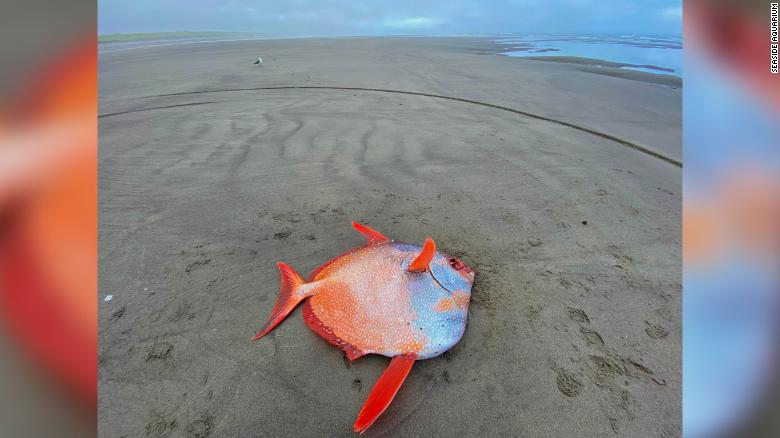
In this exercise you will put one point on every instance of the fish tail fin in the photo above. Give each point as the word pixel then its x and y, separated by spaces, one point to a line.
pixel 383 392
pixel 289 298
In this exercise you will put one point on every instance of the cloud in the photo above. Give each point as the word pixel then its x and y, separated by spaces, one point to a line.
pixel 376 17
pixel 413 23
pixel 672 13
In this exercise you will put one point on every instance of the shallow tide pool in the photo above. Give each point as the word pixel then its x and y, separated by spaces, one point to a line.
pixel 661 55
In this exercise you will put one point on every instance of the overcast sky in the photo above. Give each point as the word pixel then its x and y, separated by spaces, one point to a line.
pixel 391 17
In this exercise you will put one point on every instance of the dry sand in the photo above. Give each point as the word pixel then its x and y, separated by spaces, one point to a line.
pixel 574 326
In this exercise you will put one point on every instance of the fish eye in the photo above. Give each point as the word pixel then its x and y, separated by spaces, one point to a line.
pixel 456 264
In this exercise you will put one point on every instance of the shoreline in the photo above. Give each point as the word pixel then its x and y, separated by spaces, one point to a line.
pixel 165 38
pixel 615 69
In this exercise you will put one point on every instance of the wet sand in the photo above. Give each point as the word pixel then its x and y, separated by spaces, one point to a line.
pixel 558 186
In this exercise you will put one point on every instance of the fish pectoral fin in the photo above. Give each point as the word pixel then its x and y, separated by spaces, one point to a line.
pixel 290 295
pixel 420 263
pixel 371 234
pixel 384 391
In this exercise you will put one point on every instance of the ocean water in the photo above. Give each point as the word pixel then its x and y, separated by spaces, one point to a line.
pixel 119 46
pixel 653 54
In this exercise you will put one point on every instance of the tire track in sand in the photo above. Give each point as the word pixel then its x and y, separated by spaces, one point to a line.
pixel 618 140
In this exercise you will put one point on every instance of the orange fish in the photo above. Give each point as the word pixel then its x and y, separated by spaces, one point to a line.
pixel 403 301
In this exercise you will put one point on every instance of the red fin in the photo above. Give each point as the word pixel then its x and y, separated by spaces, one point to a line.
pixel 373 237
pixel 426 255
pixel 383 392
pixel 326 333
pixel 287 300
pixel 371 234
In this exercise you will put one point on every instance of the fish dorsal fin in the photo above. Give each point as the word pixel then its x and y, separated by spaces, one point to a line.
pixel 371 234
pixel 420 263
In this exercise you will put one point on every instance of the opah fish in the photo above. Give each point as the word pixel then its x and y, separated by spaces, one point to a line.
pixel 403 301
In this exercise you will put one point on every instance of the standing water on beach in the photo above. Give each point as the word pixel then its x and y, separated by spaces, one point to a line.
pixel 653 54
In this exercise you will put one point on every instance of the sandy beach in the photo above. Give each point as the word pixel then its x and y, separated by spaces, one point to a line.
pixel 558 182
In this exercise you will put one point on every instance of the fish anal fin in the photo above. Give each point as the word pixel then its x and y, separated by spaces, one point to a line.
pixel 420 263
pixel 371 234
pixel 384 391
pixel 353 353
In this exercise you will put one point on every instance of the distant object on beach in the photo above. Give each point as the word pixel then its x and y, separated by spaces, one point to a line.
pixel 259 61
